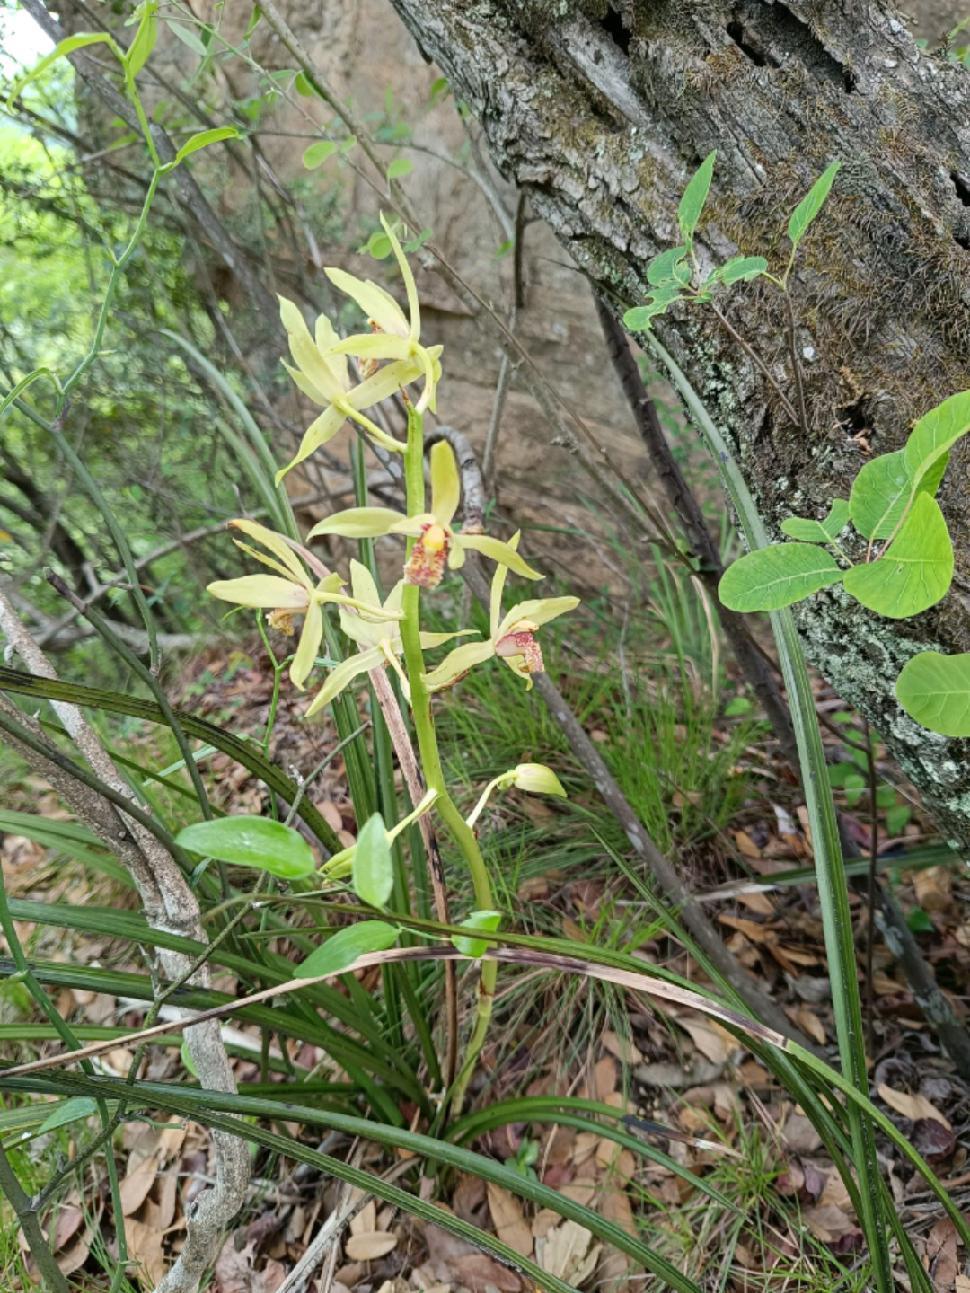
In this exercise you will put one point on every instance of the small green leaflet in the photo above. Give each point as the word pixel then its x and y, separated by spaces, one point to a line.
pixel 73 1110
pixel 770 578
pixel 934 690
pixel 826 531
pixel 303 86
pixel 66 46
pixel 738 269
pixel 811 204
pixel 377 245
pixel 244 840
pixel 934 434
pixel 915 571
pixel 185 1054
pixel 695 195
pixel 203 139
pixel 144 38
pixel 373 874
pixel 400 167
pixel 318 153
pixel 344 947
pixel 669 265
pixel 485 921
pixel 187 36
pixel 638 319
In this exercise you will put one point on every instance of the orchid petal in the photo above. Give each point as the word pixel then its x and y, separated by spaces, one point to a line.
pixel 504 553
pixel 318 433
pixel 275 543
pixel 308 646
pixel 305 353
pixel 414 307
pixel 359 523
pixel 456 554
pixel 430 640
pixel 498 588
pixel 343 674
pixel 538 611
pixel 362 584
pixel 374 302
pixel 261 592
pixel 457 663
pixel 386 381
pixel 445 483
pixel 325 337
pixel 375 345
pixel 306 386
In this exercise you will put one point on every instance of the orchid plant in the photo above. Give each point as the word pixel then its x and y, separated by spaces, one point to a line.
pixel 386 630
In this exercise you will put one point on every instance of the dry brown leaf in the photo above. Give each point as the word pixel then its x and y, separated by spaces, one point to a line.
pixel 758 902
pixel 622 1047
pixel 962 1284
pixel 480 1274
pixel 366 1248
pixel 509 1220
pixel 808 1021
pixel 366 1219
pixel 941 1250
pixel 932 888
pixel 828 1222
pixel 714 1042
pixel 604 1078
pixel 135 1186
pixel 145 1249
pixel 799 1135
pixel 566 1253
pixel 912 1107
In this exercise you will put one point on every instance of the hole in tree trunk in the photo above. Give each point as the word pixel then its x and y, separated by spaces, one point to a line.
pixel 962 187
pixel 614 27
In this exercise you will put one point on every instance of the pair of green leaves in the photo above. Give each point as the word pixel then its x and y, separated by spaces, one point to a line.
pixel 892 499
pixel 670 275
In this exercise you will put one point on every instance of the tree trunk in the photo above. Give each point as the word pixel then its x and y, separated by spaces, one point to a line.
pixel 601 111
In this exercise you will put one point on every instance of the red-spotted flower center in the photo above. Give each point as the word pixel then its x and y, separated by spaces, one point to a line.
pixel 426 564
pixel 521 641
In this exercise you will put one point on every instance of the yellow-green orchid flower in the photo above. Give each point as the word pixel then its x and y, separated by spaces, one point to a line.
pixel 322 374
pixel 396 335
pixel 290 591
pixel 342 864
pixel 380 639
pixel 436 542
pixel 534 778
pixel 511 636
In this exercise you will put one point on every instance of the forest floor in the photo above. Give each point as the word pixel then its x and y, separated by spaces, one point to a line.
pixel 702 772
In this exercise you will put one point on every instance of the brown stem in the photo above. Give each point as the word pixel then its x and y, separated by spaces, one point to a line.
pixel 416 790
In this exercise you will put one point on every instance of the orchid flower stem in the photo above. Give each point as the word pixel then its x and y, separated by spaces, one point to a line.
pixel 427 739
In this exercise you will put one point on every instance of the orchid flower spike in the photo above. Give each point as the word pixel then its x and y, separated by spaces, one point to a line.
pixel 534 778
pixel 379 638
pixel 290 591
pixel 512 637
pixel 395 335
pixel 437 543
pixel 322 375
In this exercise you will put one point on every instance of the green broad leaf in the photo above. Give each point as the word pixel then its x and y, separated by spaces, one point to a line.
pixel 67 46
pixel 144 39
pixel 302 85
pixel 73 1110
pixel 739 269
pixel 348 145
pixel 811 204
pixel 668 266
pixel 880 495
pixel 244 840
pixel 695 195
pixel 484 921
pixel 738 707
pixel 318 153
pixel 344 947
pixel 934 690
pixel 919 922
pixel 825 531
pixel 187 36
pixel 638 319
pixel 203 139
pixel 373 873
pixel 253 22
pixel 914 572
pixel 897 818
pixel 400 167
pixel 770 578
pixel 934 434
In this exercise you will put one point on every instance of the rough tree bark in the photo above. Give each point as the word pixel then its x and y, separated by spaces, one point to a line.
pixel 601 109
